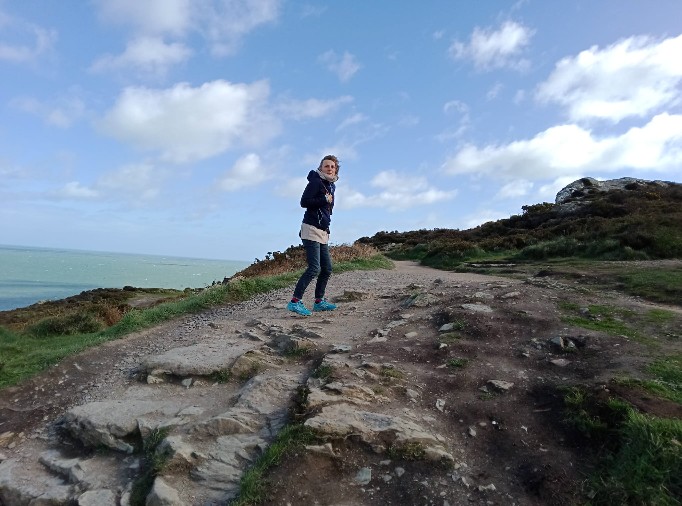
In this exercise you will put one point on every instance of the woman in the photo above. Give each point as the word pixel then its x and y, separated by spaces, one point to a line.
pixel 318 200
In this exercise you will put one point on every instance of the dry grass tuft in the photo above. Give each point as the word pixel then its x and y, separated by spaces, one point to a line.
pixel 293 259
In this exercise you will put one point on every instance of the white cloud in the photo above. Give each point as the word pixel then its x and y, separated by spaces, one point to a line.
pixel 149 55
pixel 75 191
pixel 353 119
pixel 490 49
pixel 396 192
pixel 23 42
pixel 463 123
pixel 223 23
pixel 483 216
pixel 292 188
pixel 247 171
pixel 312 108
pixel 134 182
pixel 494 91
pixel 149 17
pixel 226 22
pixel 513 189
pixel 567 149
pixel 456 105
pixel 62 113
pixel 344 66
pixel 634 77
pixel 187 124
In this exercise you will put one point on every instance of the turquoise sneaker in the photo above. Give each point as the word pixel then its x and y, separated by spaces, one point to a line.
pixel 323 305
pixel 299 308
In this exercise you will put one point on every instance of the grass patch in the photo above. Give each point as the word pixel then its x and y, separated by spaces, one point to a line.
pixel 667 378
pixel 153 463
pixel 324 371
pixel 657 284
pixel 253 484
pixel 646 327
pixel 407 451
pixel 607 319
pixel 251 372
pixel 458 363
pixel 660 316
pixel 639 457
pixel 26 353
pixel 458 324
pixel 221 376
pixel 390 373
pixel 449 336
pixel 296 352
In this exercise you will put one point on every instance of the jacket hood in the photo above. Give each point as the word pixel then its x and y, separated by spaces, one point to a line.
pixel 316 174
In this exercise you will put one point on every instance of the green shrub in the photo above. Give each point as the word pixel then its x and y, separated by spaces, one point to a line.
pixel 77 323
pixel 647 468
pixel 638 457
pixel 457 362
pixel 563 247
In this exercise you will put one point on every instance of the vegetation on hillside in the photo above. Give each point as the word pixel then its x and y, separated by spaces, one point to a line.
pixel 639 222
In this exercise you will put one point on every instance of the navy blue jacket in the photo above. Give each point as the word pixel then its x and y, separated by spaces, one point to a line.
pixel 318 212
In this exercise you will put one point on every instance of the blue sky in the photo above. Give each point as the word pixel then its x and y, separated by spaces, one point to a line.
pixel 187 127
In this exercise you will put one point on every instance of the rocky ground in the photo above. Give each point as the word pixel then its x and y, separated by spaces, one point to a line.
pixel 428 387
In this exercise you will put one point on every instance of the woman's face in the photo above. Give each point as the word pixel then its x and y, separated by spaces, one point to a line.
pixel 328 167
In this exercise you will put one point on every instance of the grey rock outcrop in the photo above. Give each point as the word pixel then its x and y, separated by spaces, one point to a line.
pixel 571 196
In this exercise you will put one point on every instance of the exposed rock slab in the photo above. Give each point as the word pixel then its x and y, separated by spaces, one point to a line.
pixel 200 359
pixel 379 430
pixel 108 423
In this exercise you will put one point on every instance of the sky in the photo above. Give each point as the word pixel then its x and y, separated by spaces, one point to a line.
pixel 188 127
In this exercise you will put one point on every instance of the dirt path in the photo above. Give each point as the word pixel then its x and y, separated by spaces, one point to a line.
pixel 481 397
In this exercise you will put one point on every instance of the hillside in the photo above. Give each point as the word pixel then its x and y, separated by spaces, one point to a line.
pixel 624 219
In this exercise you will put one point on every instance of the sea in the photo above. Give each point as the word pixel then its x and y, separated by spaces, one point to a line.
pixel 29 275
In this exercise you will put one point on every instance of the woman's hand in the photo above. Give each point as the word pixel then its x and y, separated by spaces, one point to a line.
pixel 329 197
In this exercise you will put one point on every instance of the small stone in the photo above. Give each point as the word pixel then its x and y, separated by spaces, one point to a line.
pixel 440 404
pixel 412 394
pixel 399 471
pixel 501 385
pixel 154 380
pixel 6 437
pixel 364 476
pixel 558 342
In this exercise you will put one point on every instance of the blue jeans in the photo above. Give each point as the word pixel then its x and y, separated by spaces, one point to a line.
pixel 319 266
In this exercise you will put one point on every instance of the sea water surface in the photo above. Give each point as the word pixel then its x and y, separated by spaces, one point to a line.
pixel 29 275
